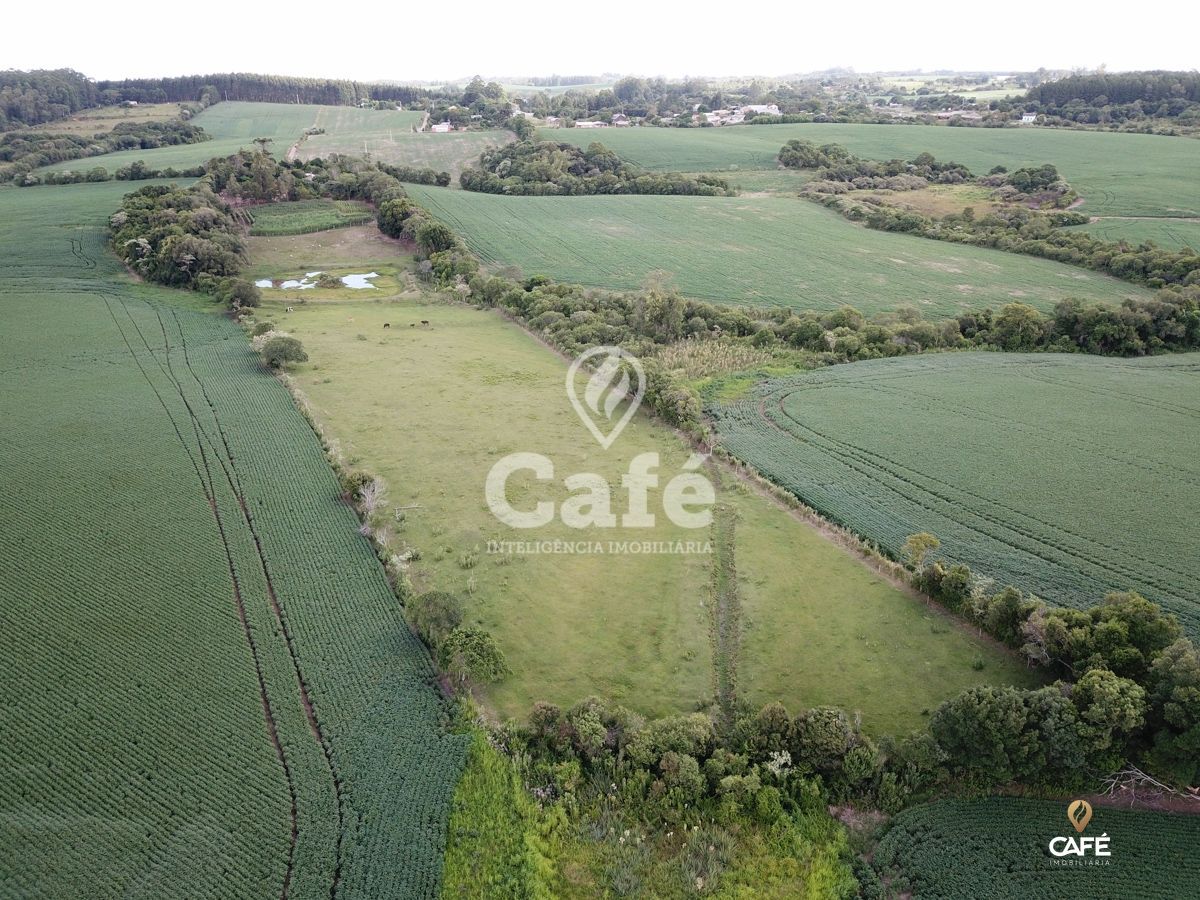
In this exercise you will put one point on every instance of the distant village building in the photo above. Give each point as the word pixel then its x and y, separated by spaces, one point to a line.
pixel 725 117
pixel 620 120
pixel 1028 118
pixel 553 121
pixel 591 124
pixel 441 128
pixel 761 109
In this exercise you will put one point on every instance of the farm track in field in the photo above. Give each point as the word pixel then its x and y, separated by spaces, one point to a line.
pixel 726 612
pixel 206 487
pixel 204 471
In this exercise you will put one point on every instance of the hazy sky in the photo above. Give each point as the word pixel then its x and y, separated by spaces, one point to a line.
pixel 369 40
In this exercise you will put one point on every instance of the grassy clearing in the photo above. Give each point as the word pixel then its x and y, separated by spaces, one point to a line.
pixel 849 634
pixel 759 250
pixel 105 118
pixel 431 409
pixel 390 136
pixel 195 683
pixel 306 216
pixel 353 248
pixel 958 445
pixel 938 200
pixel 1117 174
pixel 232 126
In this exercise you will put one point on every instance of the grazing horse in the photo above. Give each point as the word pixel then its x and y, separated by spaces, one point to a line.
pixel 387 324
pixel 424 322
pixel 290 309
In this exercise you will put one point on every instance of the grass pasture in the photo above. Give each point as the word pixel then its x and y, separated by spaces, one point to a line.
pixel 202 657
pixel 1070 476
pixel 1117 174
pixel 431 409
pixel 757 250
pixel 307 216
pixel 390 136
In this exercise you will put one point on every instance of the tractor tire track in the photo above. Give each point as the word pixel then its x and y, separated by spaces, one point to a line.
pixel 204 476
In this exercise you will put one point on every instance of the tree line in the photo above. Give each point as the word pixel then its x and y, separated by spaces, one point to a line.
pixel 255 87
pixel 1018 227
pixel 1119 97
pixel 29 150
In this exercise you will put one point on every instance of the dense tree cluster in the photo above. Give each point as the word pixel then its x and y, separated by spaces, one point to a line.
pixel 838 170
pixel 1114 98
pixel 549 168
pixel 28 150
pixel 1131 688
pixel 184 237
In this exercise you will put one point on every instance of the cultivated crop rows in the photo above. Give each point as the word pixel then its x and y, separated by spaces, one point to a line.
pixel 999 848
pixel 306 216
pixel 1066 476
pixel 210 690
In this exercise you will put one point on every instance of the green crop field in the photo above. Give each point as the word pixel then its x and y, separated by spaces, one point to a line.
pixel 210 690
pixel 997 849
pixel 432 408
pixel 1117 174
pixel 1070 476
pixel 232 127
pixel 1164 232
pixel 305 216
pixel 761 250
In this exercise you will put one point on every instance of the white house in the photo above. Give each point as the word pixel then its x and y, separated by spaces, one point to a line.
pixel 590 124
pixel 620 120
pixel 441 128
pixel 1028 118
pixel 553 121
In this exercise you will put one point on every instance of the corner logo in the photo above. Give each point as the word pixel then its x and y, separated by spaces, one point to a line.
pixel 607 387
pixel 1086 851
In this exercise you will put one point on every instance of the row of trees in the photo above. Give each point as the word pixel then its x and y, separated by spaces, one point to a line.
pixel 548 168
pixel 1119 97
pixel 250 86
pixel 1018 227
pixel 29 150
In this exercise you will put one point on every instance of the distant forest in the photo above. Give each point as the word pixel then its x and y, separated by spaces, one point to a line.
pixel 32 98
pixel 1119 97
